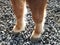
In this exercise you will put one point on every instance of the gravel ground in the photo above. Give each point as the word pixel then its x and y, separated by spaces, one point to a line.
pixel 51 36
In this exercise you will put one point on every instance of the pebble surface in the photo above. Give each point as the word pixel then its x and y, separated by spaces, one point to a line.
pixel 51 36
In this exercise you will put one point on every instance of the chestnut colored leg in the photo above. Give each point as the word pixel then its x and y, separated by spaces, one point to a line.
pixel 18 8
pixel 38 9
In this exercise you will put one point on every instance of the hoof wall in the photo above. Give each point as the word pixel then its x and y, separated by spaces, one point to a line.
pixel 35 39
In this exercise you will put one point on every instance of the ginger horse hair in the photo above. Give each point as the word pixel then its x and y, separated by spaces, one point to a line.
pixel 38 9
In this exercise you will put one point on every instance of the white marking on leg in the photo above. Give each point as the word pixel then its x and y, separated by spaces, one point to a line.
pixel 44 19
pixel 24 16
pixel 35 35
